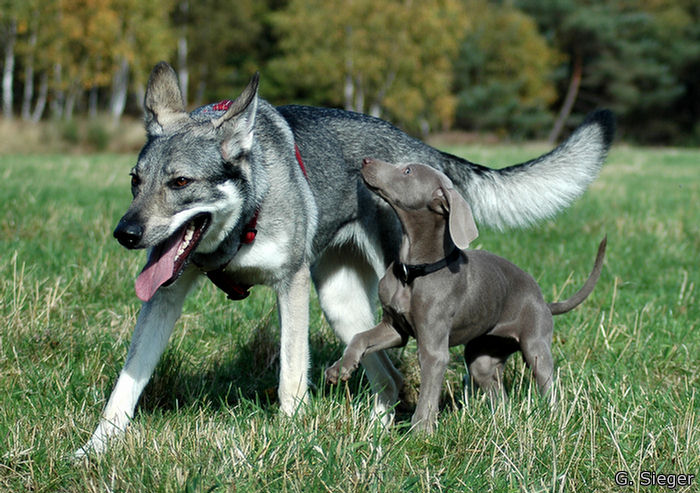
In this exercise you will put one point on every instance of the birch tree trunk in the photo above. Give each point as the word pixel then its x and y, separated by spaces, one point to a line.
pixel 183 72
pixel 349 86
pixel 59 96
pixel 70 103
pixel 28 94
pixel 120 86
pixel 375 109
pixel 41 98
pixel 8 69
pixel 359 96
pixel 348 92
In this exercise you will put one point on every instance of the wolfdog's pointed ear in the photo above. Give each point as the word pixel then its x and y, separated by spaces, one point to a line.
pixel 163 103
pixel 236 125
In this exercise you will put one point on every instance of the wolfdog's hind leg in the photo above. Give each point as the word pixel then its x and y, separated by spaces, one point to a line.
pixel 347 290
pixel 293 304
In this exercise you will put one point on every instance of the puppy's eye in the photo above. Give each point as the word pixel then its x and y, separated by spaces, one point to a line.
pixel 135 180
pixel 180 182
pixel 407 170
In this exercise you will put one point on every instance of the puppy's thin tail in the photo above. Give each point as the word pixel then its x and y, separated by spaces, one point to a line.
pixel 568 305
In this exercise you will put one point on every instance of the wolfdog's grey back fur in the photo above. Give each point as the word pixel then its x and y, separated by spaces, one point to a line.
pixel 510 197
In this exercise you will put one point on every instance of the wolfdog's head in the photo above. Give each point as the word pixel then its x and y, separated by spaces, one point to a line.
pixel 191 183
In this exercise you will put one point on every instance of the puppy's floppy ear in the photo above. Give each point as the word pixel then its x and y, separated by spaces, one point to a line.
pixel 163 104
pixel 461 221
pixel 236 125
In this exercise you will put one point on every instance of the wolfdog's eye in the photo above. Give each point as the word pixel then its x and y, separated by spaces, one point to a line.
pixel 407 170
pixel 135 180
pixel 180 182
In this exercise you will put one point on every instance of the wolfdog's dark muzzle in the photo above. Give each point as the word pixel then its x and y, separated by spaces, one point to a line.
pixel 128 233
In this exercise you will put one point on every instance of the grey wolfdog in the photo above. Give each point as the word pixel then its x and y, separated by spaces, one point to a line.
pixel 247 194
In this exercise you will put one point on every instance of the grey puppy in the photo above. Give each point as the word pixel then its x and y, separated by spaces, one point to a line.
pixel 243 193
pixel 444 295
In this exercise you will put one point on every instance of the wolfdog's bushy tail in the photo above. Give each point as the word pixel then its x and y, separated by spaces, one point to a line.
pixel 528 192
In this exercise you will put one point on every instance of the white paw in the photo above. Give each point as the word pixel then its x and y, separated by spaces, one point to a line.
pixel 99 440
pixel 291 404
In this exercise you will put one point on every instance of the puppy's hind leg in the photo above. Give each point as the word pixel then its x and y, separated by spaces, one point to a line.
pixel 486 357
pixel 536 347
pixel 487 373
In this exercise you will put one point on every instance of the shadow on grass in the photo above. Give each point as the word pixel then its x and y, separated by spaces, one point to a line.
pixel 248 370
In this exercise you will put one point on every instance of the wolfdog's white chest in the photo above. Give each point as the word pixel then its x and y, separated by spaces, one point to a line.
pixel 264 261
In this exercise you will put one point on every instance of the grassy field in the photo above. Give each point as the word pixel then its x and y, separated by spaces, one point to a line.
pixel 627 361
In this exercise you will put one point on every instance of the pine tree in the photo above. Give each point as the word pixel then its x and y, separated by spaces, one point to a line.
pixel 629 56
pixel 504 73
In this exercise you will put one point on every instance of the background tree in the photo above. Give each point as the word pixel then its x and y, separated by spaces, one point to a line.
pixel 222 43
pixel 504 73
pixel 89 29
pixel 669 105
pixel 390 59
pixel 621 55
pixel 144 34
pixel 11 14
pixel 497 65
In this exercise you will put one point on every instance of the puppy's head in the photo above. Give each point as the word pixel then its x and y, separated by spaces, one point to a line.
pixel 412 188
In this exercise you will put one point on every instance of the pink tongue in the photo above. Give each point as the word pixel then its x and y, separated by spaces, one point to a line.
pixel 159 269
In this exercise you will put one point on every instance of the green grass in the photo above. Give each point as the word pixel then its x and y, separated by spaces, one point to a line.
pixel 627 361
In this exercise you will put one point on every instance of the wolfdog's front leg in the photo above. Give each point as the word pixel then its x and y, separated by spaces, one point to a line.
pixel 153 328
pixel 293 305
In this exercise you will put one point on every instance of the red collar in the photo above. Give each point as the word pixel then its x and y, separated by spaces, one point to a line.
pixel 249 232
pixel 299 160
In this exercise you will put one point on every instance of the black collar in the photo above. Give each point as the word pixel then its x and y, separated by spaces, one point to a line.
pixel 407 273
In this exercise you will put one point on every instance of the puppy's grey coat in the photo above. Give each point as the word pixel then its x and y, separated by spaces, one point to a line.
pixel 474 298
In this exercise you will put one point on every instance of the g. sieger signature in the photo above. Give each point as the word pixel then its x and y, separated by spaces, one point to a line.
pixel 652 478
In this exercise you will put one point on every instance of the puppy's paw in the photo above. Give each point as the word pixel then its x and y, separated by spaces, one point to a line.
pixel 346 373
pixel 339 372
pixel 332 373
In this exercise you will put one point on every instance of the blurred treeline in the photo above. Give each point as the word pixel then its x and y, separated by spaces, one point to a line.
pixel 521 68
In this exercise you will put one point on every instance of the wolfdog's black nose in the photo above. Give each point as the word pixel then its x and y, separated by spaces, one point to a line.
pixel 128 233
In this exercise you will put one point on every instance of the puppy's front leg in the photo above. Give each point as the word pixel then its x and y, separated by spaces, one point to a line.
pixel 293 306
pixel 433 356
pixel 153 328
pixel 382 336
